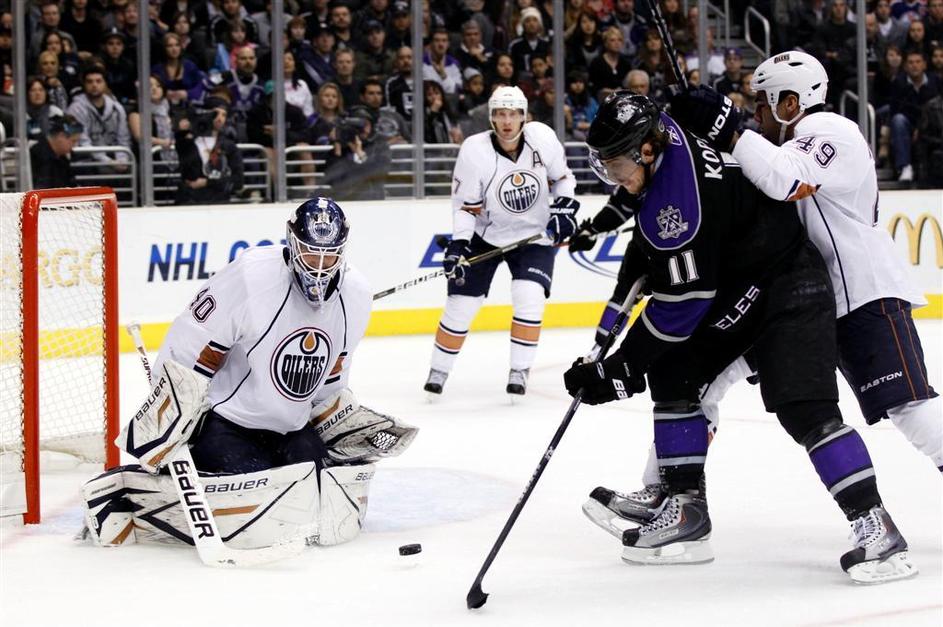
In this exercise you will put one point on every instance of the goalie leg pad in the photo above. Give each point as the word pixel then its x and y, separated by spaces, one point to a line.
pixel 252 510
pixel 167 417
pixel 353 433
pixel 344 494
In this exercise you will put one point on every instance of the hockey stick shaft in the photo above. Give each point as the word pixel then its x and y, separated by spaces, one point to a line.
pixel 491 254
pixel 476 596
pixel 667 42
pixel 199 516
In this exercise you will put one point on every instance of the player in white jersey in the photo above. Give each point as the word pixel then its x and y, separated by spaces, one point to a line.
pixel 820 160
pixel 509 184
pixel 258 366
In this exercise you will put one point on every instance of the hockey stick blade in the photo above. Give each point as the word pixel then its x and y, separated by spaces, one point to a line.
pixel 476 597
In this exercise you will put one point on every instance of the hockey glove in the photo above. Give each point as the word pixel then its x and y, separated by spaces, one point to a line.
pixel 707 113
pixel 455 262
pixel 562 224
pixel 603 381
pixel 585 237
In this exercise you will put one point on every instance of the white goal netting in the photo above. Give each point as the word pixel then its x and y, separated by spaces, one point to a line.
pixel 70 314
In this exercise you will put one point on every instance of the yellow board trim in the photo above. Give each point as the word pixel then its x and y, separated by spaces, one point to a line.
pixel 76 342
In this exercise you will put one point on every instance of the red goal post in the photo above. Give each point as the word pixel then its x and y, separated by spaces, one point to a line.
pixel 60 332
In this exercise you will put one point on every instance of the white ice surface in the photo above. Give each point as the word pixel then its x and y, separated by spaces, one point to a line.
pixel 777 533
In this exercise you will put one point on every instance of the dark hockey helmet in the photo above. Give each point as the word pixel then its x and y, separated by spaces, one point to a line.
pixel 624 122
pixel 316 237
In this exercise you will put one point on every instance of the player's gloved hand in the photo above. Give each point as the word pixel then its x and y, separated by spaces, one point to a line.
pixel 455 262
pixel 705 112
pixel 603 381
pixel 584 238
pixel 562 222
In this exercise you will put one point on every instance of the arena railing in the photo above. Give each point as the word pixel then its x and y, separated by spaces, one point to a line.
pixel 256 179
pixel 120 175
pixel 756 15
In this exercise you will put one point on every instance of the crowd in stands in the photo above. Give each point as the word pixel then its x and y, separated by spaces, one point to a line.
pixel 348 75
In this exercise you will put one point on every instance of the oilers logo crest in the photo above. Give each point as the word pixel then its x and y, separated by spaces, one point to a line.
pixel 518 191
pixel 300 362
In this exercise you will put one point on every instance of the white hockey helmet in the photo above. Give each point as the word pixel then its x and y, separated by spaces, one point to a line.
pixel 791 71
pixel 507 98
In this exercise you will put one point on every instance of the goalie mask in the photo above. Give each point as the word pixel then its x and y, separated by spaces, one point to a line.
pixel 625 121
pixel 317 236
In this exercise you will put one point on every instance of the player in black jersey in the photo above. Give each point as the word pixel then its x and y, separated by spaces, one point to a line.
pixel 728 270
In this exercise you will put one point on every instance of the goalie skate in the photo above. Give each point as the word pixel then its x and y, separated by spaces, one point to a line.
pixel 679 534
pixel 880 553
pixel 614 512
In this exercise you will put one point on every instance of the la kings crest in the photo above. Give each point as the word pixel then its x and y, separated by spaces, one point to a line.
pixel 300 363
pixel 518 191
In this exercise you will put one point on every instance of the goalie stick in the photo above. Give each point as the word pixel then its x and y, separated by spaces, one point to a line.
pixel 476 596
pixel 200 520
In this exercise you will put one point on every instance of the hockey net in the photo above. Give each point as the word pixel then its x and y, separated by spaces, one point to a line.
pixel 58 335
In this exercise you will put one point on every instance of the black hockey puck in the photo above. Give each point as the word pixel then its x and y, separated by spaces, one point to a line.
pixel 410 549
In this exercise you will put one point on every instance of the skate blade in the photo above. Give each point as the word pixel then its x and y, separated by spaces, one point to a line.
pixel 897 566
pixel 694 552
pixel 432 398
pixel 516 399
pixel 606 519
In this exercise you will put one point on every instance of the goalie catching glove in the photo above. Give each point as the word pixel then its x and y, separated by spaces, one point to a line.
pixel 167 418
pixel 353 433
pixel 603 381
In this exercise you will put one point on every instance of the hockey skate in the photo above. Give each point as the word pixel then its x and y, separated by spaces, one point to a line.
pixel 880 553
pixel 517 382
pixel 434 382
pixel 679 534
pixel 614 512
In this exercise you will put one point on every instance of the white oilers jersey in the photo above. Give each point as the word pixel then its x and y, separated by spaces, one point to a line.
pixel 270 354
pixel 828 168
pixel 513 196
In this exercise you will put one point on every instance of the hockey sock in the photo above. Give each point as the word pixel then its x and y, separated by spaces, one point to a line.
pixel 681 445
pixel 842 461
pixel 528 300
pixel 453 327
pixel 920 422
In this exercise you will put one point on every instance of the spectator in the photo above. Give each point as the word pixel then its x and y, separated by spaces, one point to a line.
pixel 834 45
pixel 318 16
pixel 399 87
pixel 633 30
pixel 889 68
pixel 505 72
pixel 530 81
pixel 532 42
pixel 936 63
pixel 473 53
pixel 230 11
pixel 934 22
pixel 194 11
pixel 917 38
pixel 586 43
pixel 341 21
pixel 375 11
pixel 639 82
pixel 103 120
pixel 930 144
pixel 330 110
pixel 357 167
pixel 79 22
pixel 440 122
pixel 910 91
pixel 571 17
pixel 387 123
pixel 608 69
pixel 438 65
pixel 52 77
pixel 683 29
pixel 180 75
pixel 374 59
pixel 650 61
pixel 162 127
pixel 51 157
pixel 210 165
pixel 263 22
pixel 543 104
pixel 732 78
pixel 809 17
pixel 473 93
pixel 120 72
pixel 399 33
pixel 261 128
pixel 319 68
pixel 68 60
pixel 908 10
pixel 49 20
pixel 892 32
pixel 715 58
pixel 193 43
pixel 245 90
pixel 344 66
pixel 38 109
pixel 475 11
pixel 235 39
pixel 297 31
pixel 582 106
pixel 297 92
